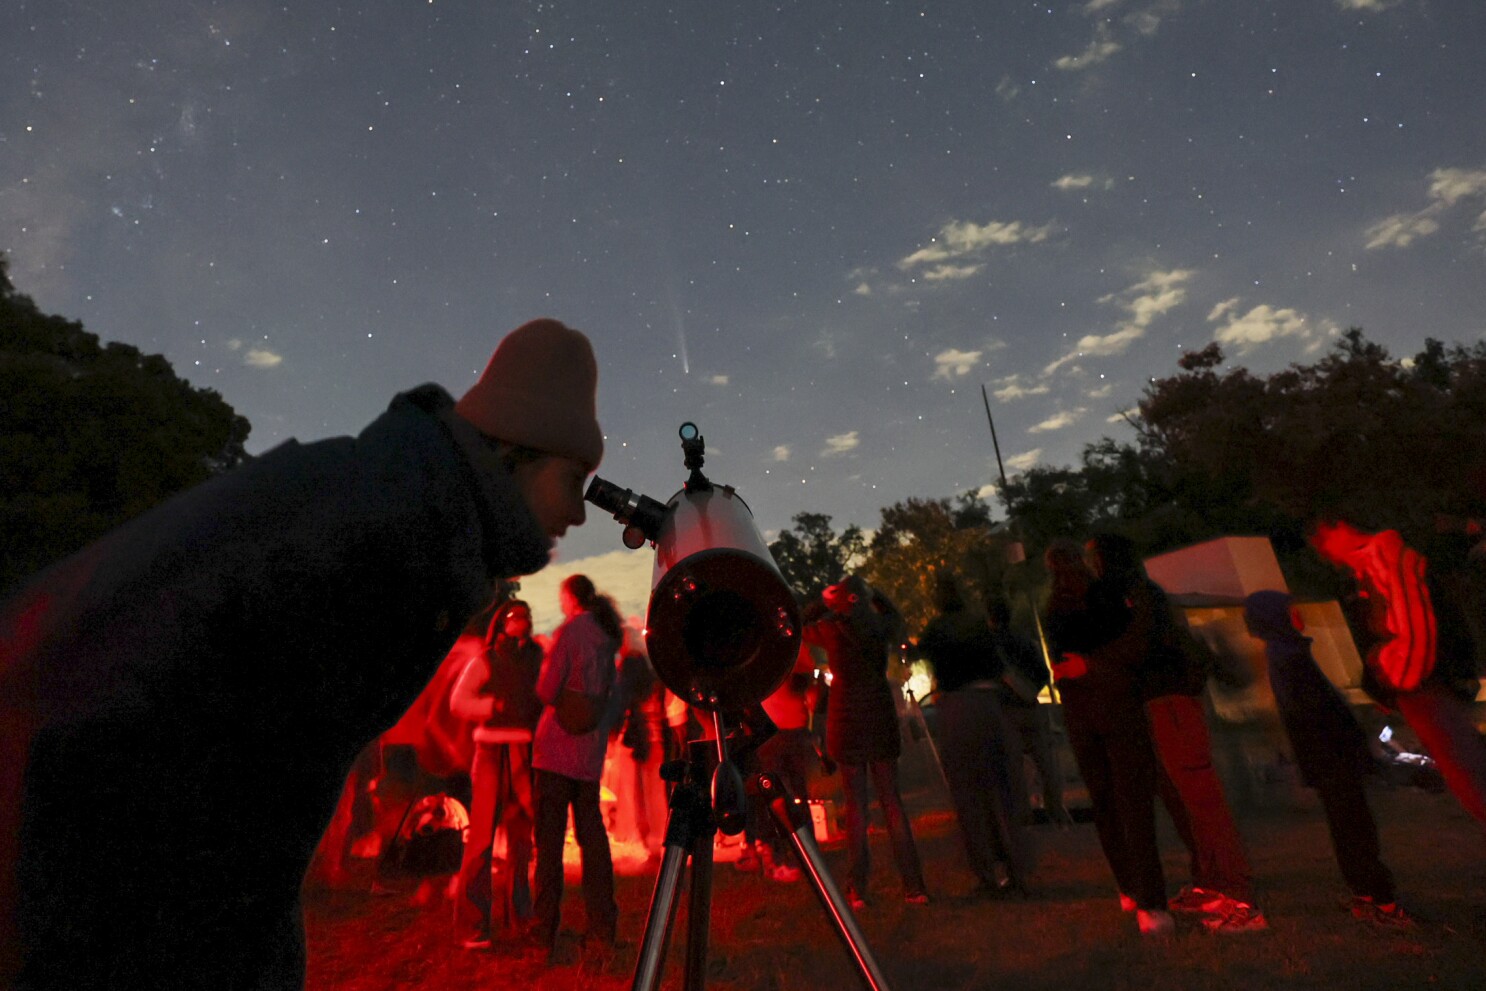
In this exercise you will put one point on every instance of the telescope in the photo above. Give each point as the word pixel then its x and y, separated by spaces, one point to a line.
pixel 723 632
pixel 723 628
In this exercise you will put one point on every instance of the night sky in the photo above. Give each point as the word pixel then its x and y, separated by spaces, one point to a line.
pixel 814 228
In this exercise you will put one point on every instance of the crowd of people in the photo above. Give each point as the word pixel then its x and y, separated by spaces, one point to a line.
pixel 556 719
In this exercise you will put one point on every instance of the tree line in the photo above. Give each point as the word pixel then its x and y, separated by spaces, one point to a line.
pixel 1218 451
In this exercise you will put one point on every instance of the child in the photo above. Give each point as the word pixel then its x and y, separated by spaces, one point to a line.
pixel 1331 752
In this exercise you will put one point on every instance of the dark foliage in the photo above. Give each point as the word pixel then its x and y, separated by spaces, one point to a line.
pixel 92 435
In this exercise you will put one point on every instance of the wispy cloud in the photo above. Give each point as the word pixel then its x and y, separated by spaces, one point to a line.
pixel 953 363
pixel 1261 325
pixel 1025 460
pixel 718 379
pixel 1141 19
pixel 960 242
pixel 1058 421
pixel 1448 188
pixel 1101 49
pixel 262 358
pixel 840 444
pixel 781 453
pixel 1011 388
pixel 1133 413
pixel 1367 5
pixel 1077 182
pixel 1154 295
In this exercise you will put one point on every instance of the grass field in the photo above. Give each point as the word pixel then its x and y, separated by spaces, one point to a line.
pixel 1071 934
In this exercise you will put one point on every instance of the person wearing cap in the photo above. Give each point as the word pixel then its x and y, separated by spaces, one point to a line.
pixel 181 700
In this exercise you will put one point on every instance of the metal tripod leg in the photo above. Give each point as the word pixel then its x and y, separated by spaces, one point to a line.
pixel 688 831
pixel 793 818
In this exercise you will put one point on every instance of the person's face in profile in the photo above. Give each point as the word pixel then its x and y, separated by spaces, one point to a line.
pixel 553 490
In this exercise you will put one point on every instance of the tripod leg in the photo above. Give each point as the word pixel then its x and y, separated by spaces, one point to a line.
pixel 688 830
pixel 793 819
pixel 658 923
pixel 699 915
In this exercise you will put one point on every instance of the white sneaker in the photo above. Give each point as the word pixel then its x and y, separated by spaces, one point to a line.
pixel 1155 923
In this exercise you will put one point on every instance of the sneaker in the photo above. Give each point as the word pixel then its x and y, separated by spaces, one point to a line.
pixel 785 873
pixel 1198 901
pixel 917 898
pixel 1155 922
pixel 1241 917
pixel 1127 904
pixel 855 900
pixel 1390 916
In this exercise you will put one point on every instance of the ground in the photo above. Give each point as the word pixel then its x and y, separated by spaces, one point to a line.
pixel 774 937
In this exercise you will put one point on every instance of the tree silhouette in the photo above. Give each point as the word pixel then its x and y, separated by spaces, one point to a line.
pixel 92 435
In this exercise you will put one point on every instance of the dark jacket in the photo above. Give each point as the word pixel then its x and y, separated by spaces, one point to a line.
pixel 513 666
pixel 1324 735
pixel 181 700
pixel 959 647
pixel 1155 642
pixel 861 716
pixel 1091 625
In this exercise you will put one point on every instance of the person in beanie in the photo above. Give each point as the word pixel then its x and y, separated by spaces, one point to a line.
pixel 181 700
pixel 1331 751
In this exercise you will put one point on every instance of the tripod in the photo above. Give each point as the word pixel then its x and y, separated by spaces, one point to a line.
pixel 710 796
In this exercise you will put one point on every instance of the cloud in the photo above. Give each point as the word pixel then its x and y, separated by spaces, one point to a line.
pixel 781 453
pixel 1371 6
pixel 262 358
pixel 1102 392
pixel 718 379
pixel 1064 418
pixel 1025 460
pixel 1101 49
pixel 1260 325
pixel 954 363
pixel 1401 230
pixel 1448 188
pixel 1148 299
pixel 862 289
pixel 840 444
pixel 949 273
pixel 1133 413
pixel 964 239
pixel 986 492
pixel 1012 388
pixel 1079 181
pixel 1007 90
pixel 1143 20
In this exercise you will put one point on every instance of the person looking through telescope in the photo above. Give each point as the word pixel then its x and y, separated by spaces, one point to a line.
pixel 862 736
pixel 180 701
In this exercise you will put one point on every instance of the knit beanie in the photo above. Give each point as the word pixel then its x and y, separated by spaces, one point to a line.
pixel 538 392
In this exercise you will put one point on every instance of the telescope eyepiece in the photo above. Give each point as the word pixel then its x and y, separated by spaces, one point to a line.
pixel 641 515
